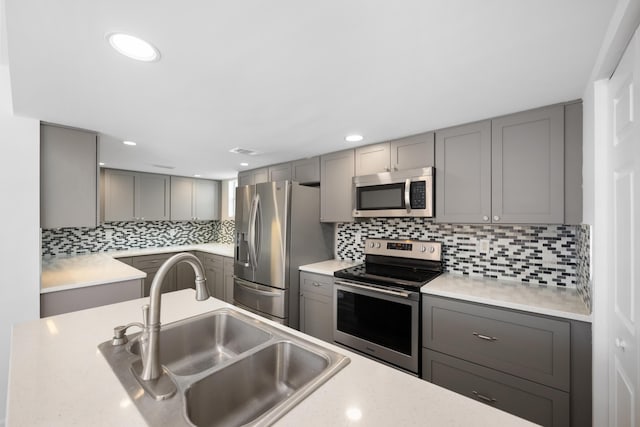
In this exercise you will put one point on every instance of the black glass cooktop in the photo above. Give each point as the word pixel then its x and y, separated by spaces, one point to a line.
pixel 411 278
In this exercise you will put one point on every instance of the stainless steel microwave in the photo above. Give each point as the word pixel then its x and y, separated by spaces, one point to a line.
pixel 405 193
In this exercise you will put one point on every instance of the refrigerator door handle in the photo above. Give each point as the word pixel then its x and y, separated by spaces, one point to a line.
pixel 253 215
pixel 254 290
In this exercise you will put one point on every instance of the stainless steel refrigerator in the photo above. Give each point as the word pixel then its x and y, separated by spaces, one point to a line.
pixel 278 229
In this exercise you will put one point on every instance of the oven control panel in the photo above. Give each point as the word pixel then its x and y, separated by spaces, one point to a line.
pixel 404 248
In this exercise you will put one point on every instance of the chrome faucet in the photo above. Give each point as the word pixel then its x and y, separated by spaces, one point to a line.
pixel 151 369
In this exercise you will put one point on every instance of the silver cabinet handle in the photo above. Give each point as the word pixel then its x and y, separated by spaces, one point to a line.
pixel 483 397
pixel 496 218
pixel 485 337
pixel 316 284
pixel 395 168
pixel 485 218
pixel 387 169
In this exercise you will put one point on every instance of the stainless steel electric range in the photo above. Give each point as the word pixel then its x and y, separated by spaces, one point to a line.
pixel 377 304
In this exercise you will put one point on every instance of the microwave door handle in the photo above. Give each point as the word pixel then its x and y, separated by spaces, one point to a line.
pixel 407 194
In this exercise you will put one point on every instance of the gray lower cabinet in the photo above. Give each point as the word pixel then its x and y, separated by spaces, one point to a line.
pixel 59 302
pixel 542 405
pixel 254 176
pixel 135 196
pixel 316 305
pixel 194 199
pixel 534 366
pixel 150 264
pixel 227 268
pixel 68 177
pixel 336 182
pixel 214 270
pixel 185 276
pixel 306 171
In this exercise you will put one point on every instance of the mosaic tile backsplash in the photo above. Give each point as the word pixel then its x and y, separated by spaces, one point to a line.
pixel 583 268
pixel 539 254
pixel 112 236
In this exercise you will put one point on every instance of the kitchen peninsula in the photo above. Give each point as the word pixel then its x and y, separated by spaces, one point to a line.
pixel 59 378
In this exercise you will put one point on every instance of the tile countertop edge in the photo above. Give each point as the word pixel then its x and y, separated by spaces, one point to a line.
pixel 381 395
pixel 509 295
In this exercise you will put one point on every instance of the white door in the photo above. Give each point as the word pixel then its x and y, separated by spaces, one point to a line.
pixel 622 207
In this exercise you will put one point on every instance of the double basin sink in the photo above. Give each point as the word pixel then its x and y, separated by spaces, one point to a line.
pixel 229 370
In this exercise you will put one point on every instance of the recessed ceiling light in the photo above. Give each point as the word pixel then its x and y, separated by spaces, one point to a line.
pixel 354 138
pixel 244 164
pixel 197 175
pixel 128 143
pixel 133 47
pixel 101 163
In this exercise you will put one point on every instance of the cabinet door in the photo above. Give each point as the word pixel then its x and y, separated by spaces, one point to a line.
pixel 280 172
pixel 528 167
pixel 336 183
pixel 181 199
pixel 119 197
pixel 463 173
pixel 207 200
pixel 228 279
pixel 215 281
pixel 152 197
pixel 260 175
pixel 315 316
pixel 415 151
pixel 306 171
pixel 373 159
pixel 185 276
pixel 245 178
pixel 68 177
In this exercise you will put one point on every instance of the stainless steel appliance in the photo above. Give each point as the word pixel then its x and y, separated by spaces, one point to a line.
pixel 278 229
pixel 377 304
pixel 404 193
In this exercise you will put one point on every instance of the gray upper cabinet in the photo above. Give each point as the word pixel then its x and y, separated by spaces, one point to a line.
pixel 463 173
pixel 68 177
pixel 251 177
pixel 415 151
pixel 135 196
pixel 306 171
pixel 527 152
pixel 280 172
pixel 373 159
pixel 336 175
pixel 573 163
pixel 194 199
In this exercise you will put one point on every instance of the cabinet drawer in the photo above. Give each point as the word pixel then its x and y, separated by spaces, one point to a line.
pixel 531 347
pixel 316 283
pixel 542 405
pixel 149 261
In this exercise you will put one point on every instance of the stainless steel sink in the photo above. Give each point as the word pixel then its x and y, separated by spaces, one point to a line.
pixel 199 343
pixel 230 369
pixel 266 378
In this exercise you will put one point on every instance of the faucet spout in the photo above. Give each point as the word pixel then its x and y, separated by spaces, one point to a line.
pixel 151 368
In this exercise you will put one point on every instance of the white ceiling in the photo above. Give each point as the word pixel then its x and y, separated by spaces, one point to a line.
pixel 291 78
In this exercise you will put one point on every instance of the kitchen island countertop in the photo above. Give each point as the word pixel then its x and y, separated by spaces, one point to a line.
pixel 59 378
pixel 548 300
pixel 69 272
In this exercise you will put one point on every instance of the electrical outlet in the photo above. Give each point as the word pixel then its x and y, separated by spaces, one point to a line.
pixel 108 234
pixel 483 246
pixel 172 232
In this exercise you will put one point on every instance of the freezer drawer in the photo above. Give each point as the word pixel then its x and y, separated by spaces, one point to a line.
pixel 264 299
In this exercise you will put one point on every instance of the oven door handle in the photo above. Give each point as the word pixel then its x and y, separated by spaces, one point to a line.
pixel 374 289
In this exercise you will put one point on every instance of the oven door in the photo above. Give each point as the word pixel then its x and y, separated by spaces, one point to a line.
pixel 382 323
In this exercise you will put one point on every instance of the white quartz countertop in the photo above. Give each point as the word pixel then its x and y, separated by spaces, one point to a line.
pixel 547 300
pixel 328 267
pixel 59 378
pixel 70 272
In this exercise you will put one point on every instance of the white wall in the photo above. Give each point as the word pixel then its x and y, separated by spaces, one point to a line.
pixel 19 220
